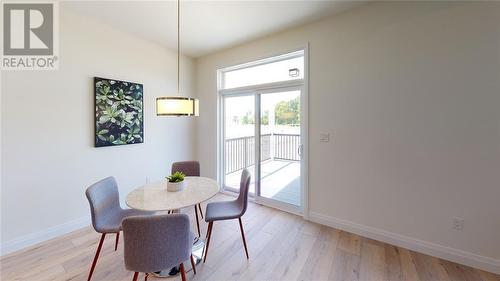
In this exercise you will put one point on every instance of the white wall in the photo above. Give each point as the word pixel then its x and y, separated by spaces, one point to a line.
pixel 410 93
pixel 48 132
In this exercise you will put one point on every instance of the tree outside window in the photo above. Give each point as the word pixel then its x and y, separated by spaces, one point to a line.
pixel 288 112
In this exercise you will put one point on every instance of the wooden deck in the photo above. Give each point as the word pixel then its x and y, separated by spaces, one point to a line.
pixel 280 180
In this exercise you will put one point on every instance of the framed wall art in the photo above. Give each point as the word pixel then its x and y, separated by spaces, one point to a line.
pixel 119 116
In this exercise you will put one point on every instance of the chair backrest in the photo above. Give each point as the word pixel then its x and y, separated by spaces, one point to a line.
pixel 154 243
pixel 244 187
pixel 189 168
pixel 104 201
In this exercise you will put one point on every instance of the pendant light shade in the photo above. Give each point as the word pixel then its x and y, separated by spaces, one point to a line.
pixel 177 106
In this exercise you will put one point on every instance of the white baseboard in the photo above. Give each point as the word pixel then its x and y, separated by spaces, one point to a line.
pixel 436 250
pixel 43 235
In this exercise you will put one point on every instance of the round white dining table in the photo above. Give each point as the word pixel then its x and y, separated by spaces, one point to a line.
pixel 155 197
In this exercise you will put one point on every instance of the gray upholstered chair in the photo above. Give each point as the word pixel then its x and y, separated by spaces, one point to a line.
pixel 107 215
pixel 228 210
pixel 155 243
pixel 190 169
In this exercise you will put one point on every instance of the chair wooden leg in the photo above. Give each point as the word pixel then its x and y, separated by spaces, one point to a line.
pixel 193 264
pixel 210 226
pixel 116 242
pixel 201 212
pixel 136 274
pixel 96 256
pixel 183 272
pixel 197 220
pixel 243 236
pixel 208 231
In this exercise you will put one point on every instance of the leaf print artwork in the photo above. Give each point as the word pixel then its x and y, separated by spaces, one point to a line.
pixel 118 112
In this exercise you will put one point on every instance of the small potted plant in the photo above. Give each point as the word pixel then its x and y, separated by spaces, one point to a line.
pixel 175 182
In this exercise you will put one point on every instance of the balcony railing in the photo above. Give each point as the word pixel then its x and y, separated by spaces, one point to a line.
pixel 286 147
pixel 240 152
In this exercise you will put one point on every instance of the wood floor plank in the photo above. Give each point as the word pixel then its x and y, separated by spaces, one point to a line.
pixel 236 264
pixel 350 243
pixel 345 267
pixel 281 246
pixel 320 259
pixel 261 265
pixel 45 273
pixel 232 243
pixel 293 260
pixel 373 264
pixel 429 268
pixel 460 273
pixel 394 271
pixel 408 269
pixel 487 276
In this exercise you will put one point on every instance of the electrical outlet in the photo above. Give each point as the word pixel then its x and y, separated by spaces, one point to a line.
pixel 324 137
pixel 458 223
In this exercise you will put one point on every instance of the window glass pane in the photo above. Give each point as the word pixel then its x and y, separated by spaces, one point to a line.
pixel 239 142
pixel 280 146
pixel 282 70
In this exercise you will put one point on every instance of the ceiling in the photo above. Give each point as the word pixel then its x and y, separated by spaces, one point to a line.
pixel 206 26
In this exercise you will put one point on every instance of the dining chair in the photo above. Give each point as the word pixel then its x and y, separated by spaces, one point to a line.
pixel 107 215
pixel 155 243
pixel 227 210
pixel 190 169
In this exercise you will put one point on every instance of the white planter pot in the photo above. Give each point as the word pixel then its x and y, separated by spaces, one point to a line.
pixel 175 186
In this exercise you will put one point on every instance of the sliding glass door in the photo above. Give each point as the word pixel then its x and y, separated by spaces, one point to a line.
pixel 279 167
pixel 273 159
pixel 262 125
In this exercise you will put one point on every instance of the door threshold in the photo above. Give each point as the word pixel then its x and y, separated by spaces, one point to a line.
pixel 285 207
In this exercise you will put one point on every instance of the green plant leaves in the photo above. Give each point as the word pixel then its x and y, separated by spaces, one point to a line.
pixel 119 112
pixel 176 177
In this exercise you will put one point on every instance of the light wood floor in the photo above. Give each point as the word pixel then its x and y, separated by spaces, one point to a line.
pixel 281 247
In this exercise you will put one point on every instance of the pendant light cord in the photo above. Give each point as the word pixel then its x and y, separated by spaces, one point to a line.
pixel 178 44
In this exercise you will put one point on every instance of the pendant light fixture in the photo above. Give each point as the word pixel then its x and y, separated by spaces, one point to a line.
pixel 176 105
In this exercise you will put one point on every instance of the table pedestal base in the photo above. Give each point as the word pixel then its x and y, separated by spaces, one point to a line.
pixel 198 248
